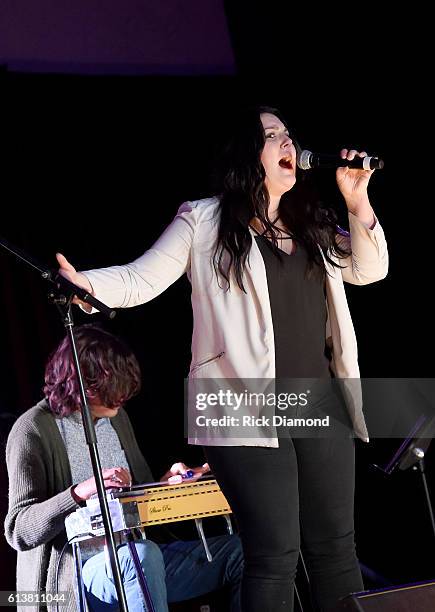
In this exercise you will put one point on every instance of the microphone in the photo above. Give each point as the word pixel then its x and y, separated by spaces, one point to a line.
pixel 307 160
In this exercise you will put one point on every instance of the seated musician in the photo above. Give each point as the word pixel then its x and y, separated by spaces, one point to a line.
pixel 50 476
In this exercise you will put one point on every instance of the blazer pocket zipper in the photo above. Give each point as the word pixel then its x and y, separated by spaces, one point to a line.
pixel 206 361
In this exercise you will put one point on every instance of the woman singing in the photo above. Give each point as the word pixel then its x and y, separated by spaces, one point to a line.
pixel 267 265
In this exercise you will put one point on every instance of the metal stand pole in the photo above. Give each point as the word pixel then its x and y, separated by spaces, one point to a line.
pixel 91 439
pixel 79 586
pixel 139 572
pixel 418 452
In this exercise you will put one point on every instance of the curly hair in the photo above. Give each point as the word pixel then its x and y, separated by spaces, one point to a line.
pixel 240 183
pixel 110 371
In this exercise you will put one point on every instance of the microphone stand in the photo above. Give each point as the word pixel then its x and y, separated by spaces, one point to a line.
pixel 62 295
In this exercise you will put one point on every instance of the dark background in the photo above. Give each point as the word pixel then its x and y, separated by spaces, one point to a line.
pixel 95 166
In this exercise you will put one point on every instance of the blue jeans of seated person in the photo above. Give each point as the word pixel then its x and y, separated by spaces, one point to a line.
pixel 174 572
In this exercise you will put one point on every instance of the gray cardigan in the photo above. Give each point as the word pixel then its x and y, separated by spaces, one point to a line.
pixel 40 497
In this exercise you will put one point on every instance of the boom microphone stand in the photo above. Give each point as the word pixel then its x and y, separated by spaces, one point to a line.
pixel 61 294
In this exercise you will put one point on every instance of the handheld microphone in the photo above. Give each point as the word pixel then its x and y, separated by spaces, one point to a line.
pixel 307 160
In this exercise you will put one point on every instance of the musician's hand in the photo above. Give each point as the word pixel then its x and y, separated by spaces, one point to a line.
pixel 117 477
pixel 179 472
pixel 68 271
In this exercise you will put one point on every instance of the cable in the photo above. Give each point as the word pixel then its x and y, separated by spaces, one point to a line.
pixel 62 552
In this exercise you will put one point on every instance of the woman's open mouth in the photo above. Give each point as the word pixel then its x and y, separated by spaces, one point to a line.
pixel 286 162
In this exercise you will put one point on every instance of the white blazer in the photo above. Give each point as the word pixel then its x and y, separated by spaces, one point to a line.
pixel 232 330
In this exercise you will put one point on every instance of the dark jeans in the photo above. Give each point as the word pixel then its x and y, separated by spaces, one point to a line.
pixel 297 496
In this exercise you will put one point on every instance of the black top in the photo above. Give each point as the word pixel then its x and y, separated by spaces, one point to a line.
pixel 298 305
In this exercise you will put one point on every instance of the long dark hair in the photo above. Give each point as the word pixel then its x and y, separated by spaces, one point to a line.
pixel 110 371
pixel 239 181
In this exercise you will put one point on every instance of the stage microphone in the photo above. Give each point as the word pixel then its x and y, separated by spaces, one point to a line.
pixel 307 159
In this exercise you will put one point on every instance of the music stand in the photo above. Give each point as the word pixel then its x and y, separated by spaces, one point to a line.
pixel 411 453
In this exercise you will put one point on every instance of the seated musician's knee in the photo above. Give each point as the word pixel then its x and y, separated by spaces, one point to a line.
pixel 150 557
